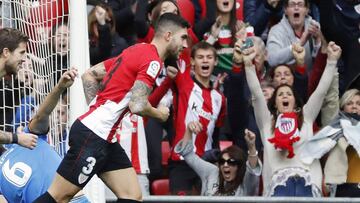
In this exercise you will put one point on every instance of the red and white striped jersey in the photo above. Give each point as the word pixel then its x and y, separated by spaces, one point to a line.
pixel 131 136
pixel 139 62
pixel 193 102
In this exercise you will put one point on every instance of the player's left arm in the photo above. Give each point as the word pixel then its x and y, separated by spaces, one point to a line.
pixel 40 121
pixel 139 103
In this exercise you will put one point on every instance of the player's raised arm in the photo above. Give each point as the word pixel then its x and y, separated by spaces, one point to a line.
pixel 140 105
pixel 40 121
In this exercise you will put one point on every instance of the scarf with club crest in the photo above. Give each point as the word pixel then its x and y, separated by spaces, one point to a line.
pixel 286 133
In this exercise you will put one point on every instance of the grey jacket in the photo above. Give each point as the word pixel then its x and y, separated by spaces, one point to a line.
pixel 280 39
pixel 209 173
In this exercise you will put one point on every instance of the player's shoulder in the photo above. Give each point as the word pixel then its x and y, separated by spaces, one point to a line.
pixel 146 51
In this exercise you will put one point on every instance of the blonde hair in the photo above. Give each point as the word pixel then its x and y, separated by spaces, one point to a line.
pixel 348 96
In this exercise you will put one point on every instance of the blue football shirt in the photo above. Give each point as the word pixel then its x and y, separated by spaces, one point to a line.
pixel 25 173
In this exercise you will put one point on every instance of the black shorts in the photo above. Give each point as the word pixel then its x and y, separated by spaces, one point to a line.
pixel 88 155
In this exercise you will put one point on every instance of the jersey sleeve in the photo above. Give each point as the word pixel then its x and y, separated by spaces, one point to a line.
pixel 108 63
pixel 148 72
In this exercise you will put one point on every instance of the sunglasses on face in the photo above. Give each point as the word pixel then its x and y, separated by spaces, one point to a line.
pixel 230 162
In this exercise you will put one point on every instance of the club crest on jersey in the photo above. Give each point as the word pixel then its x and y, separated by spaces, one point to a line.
pixel 286 125
pixel 153 69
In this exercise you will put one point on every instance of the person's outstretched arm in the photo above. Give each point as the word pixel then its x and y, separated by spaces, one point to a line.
pixel 40 121
pixel 313 106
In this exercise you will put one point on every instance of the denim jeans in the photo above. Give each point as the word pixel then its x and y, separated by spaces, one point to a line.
pixel 295 187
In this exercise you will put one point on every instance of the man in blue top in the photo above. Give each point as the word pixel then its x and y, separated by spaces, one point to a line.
pixel 25 173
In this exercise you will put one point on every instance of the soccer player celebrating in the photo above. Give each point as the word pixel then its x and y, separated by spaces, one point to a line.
pixel 26 174
pixel 126 86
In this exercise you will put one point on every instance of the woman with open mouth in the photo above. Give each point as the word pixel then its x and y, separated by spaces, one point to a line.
pixel 232 175
pixel 285 125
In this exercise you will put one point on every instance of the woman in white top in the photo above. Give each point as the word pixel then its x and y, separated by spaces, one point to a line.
pixel 285 126
pixel 233 175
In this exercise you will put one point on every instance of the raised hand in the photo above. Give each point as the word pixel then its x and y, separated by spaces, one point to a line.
pixel 250 138
pixel 194 127
pixel 165 112
pixel 314 30
pixel 249 55
pixel 171 71
pixel 216 27
pixel 237 56
pixel 219 80
pixel 299 53
pixel 67 79
pixel 333 51
pixel 27 140
pixel 273 3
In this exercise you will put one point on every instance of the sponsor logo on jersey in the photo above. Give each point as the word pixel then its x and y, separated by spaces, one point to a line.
pixel 153 69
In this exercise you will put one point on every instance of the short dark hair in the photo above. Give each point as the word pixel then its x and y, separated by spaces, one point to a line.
pixel 11 38
pixel 170 21
pixel 202 45
pixel 273 69
pixel 286 3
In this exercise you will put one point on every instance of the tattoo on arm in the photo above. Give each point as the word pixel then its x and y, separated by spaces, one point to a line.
pixel 5 137
pixel 91 81
pixel 90 89
pixel 139 97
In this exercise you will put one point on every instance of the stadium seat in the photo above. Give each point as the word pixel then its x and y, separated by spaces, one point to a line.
pixel 160 187
pixel 187 10
pixel 224 144
pixel 165 151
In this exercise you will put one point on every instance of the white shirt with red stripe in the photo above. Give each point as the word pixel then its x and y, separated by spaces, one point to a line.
pixel 193 102
pixel 139 62
pixel 131 136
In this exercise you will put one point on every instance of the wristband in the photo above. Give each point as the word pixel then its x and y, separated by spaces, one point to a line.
pixel 253 155
pixel 14 138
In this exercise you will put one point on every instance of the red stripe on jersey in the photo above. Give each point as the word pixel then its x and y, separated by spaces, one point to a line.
pixel 134 147
pixel 202 137
pixel 92 108
pixel 116 124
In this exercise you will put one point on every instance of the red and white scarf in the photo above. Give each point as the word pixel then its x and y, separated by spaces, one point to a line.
pixel 286 133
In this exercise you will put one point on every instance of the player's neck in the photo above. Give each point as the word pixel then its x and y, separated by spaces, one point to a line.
pixel 204 81
pixel 160 48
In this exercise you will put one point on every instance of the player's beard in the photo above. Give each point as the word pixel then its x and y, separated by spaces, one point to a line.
pixel 10 70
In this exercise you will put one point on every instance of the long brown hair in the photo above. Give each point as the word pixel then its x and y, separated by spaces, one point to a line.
pixel 274 111
pixel 232 25
pixel 236 153
pixel 92 23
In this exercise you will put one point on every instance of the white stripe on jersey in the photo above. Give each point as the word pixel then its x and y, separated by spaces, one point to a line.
pixel 125 131
pixel 195 110
pixel 109 112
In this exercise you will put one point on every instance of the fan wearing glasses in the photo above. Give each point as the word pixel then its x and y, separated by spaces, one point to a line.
pixel 232 175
